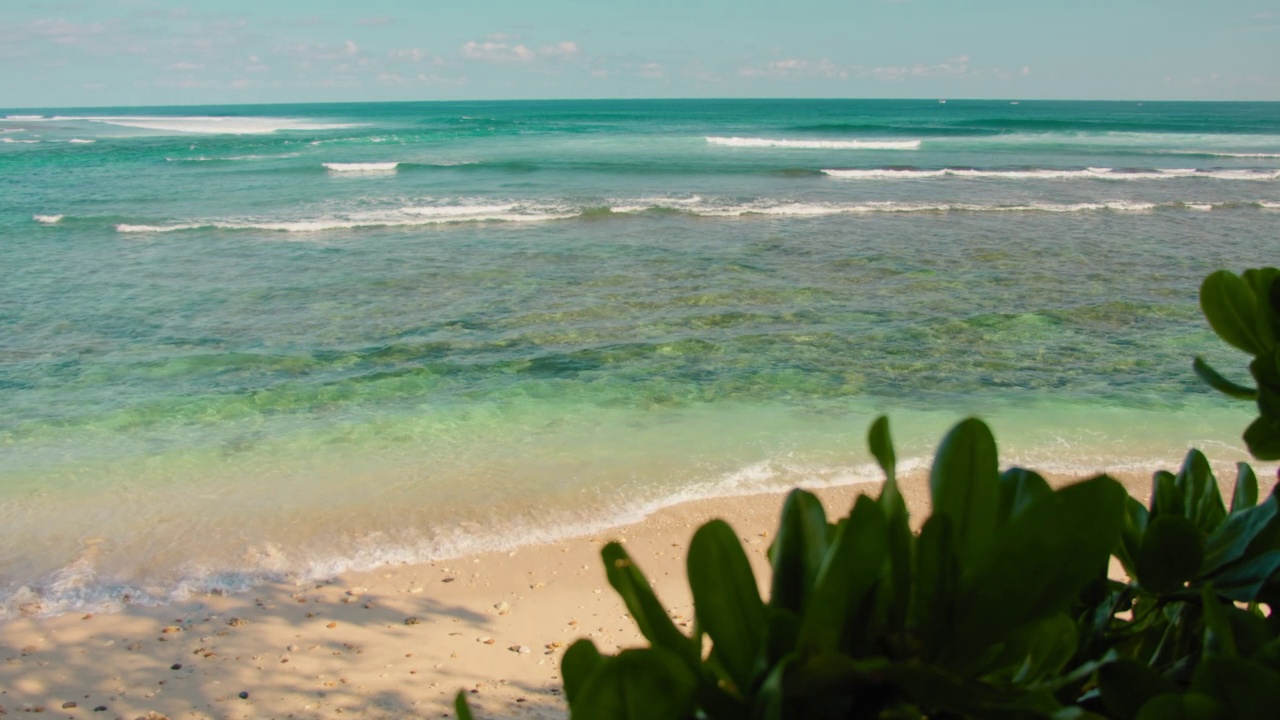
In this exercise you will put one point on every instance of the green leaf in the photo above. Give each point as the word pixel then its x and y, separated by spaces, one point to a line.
pixel 854 563
pixel 1248 690
pixel 798 550
pixel 1202 501
pixel 882 446
pixel 965 486
pixel 1126 685
pixel 1238 534
pixel 727 600
pixel 580 661
pixel 1172 553
pixel 1134 527
pixel 1246 492
pixel 1263 439
pixel 1189 706
pixel 1244 581
pixel 1219 640
pixel 1215 380
pixel 1018 489
pixel 646 684
pixel 1047 554
pixel 643 605
pixel 933 603
pixel 1231 306
pixel 461 707
pixel 1166 498
pixel 1051 643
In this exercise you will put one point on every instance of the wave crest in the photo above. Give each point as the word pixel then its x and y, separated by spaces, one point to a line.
pixel 744 142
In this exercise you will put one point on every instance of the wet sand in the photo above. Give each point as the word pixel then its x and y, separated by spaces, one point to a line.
pixel 398 641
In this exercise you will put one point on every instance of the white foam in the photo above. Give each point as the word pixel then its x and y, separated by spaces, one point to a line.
pixel 401 217
pixel 1052 174
pixel 209 125
pixel 47 219
pixel 1203 207
pixel 1215 153
pixel 18 142
pixel 81 141
pixel 385 167
pixel 743 142
pixel 1269 205
pixel 819 209
pixel 26 118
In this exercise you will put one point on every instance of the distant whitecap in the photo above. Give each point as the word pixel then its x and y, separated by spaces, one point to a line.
pixel 747 142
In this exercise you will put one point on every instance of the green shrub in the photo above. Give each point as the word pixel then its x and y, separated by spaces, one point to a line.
pixel 1000 607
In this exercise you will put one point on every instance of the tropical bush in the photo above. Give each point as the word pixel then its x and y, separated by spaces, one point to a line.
pixel 999 607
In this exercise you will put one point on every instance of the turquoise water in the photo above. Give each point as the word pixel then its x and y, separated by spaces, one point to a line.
pixel 240 343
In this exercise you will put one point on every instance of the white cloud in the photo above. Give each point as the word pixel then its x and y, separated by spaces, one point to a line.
pixel 652 71
pixel 502 48
pixel 185 66
pixel 566 49
pixel 498 52
pixel 375 20
pixel 408 54
pixel 791 68
pixel 953 67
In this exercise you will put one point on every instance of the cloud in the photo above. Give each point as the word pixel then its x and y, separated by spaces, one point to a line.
pixel 374 21
pixel 502 48
pixel 792 68
pixel 497 52
pixel 651 71
pixel 186 66
pixel 953 67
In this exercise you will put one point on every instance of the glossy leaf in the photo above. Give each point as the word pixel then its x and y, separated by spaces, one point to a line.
pixel 881 445
pixel 646 684
pixel 1166 497
pixel 1244 581
pixel 851 569
pixel 580 661
pixel 797 550
pixel 1018 489
pixel 965 486
pixel 1202 502
pixel 937 578
pixel 1246 492
pixel 1051 644
pixel 1215 380
pixel 645 609
pixel 1234 538
pixel 1263 439
pixel 727 599
pixel 1132 529
pixel 1231 307
pixel 1172 553
pixel 1072 531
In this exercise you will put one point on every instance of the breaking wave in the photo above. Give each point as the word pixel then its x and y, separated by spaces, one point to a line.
pixel 1053 174
pixel 744 142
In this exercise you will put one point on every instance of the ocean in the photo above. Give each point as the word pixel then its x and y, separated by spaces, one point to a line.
pixel 242 344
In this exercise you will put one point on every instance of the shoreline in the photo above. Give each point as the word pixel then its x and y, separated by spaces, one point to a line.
pixel 401 639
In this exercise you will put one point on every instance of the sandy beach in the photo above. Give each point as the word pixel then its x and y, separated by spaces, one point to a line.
pixel 396 642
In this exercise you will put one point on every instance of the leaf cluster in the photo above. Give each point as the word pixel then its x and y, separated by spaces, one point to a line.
pixel 1000 607
pixel 1244 310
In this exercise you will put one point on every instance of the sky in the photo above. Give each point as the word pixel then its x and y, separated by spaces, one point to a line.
pixel 82 53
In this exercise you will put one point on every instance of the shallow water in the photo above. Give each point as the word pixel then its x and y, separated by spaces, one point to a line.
pixel 242 343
